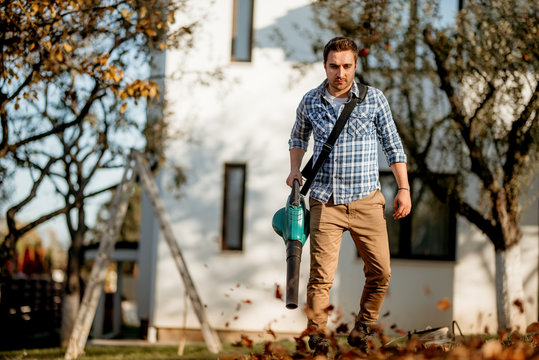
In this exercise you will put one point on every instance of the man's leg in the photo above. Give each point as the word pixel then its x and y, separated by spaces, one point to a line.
pixel 326 233
pixel 368 229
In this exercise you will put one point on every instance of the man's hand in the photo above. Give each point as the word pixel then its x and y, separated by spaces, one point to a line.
pixel 402 204
pixel 294 174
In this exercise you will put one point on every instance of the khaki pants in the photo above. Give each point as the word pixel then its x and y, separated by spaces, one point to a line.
pixel 364 219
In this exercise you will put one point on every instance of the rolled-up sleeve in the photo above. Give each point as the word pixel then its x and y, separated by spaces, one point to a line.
pixel 301 131
pixel 387 132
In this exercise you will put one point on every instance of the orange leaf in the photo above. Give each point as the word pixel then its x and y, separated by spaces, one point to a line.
pixel 170 17
pixel 444 304
pixel 245 341
pixel 123 108
pixel 68 48
pixel 533 328
pixel 143 12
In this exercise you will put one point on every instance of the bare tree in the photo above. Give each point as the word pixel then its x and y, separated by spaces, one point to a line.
pixel 465 99
pixel 71 95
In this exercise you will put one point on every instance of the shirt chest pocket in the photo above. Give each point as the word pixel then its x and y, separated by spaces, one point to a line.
pixel 320 125
pixel 360 124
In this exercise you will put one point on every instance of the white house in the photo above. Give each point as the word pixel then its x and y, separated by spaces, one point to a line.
pixel 233 146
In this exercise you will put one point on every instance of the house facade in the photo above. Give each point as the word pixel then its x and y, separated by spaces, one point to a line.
pixel 230 136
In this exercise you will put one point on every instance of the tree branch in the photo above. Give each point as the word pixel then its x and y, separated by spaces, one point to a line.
pixel 61 127
pixel 448 193
pixel 479 165
pixel 521 139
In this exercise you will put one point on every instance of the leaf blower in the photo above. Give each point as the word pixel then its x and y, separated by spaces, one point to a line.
pixel 292 224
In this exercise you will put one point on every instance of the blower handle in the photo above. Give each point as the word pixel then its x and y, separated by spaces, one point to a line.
pixel 293 260
pixel 295 195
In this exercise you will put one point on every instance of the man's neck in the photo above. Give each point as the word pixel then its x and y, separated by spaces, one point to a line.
pixel 338 94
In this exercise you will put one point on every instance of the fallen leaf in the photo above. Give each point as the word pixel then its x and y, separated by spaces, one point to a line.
pixel 519 305
pixel 271 332
pixel 248 302
pixel 275 349
pixel 426 290
pixel 278 292
pixel 244 341
pixel 444 304
pixel 533 328
pixel 342 328
pixel 386 314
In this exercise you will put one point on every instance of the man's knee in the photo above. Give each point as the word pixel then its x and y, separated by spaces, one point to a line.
pixel 379 276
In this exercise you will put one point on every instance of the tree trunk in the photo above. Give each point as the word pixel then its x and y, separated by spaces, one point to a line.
pixel 70 308
pixel 510 299
pixel 74 286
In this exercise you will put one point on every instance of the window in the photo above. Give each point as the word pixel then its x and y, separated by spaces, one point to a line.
pixel 429 232
pixel 242 30
pixel 233 206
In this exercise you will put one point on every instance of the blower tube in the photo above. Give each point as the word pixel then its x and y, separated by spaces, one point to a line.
pixel 293 260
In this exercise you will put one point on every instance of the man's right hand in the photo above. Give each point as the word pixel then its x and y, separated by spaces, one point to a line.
pixel 294 174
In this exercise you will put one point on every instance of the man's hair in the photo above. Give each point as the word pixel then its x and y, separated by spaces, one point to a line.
pixel 340 44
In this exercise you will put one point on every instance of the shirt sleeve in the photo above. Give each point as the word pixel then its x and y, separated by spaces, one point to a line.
pixel 301 131
pixel 387 132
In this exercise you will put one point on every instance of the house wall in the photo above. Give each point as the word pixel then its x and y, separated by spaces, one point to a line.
pixel 246 117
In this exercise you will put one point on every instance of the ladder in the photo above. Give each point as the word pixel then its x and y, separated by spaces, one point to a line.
pixel 136 164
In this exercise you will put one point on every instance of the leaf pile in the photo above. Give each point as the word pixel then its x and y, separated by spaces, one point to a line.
pixel 507 346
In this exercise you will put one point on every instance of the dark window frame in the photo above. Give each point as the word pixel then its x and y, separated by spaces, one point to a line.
pixel 233 55
pixel 225 246
pixel 406 231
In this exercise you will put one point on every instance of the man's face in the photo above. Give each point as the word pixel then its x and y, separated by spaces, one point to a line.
pixel 340 68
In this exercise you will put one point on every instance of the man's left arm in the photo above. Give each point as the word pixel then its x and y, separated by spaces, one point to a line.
pixel 394 151
pixel 403 202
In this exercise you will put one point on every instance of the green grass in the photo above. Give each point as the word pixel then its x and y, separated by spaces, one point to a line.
pixel 191 352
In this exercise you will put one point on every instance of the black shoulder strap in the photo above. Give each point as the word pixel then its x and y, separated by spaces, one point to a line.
pixel 310 170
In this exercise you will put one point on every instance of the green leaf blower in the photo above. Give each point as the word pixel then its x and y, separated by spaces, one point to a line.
pixel 292 224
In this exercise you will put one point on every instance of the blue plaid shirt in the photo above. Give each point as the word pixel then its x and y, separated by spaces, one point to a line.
pixel 351 170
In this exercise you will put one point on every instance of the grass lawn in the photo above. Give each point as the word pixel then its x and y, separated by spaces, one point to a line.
pixel 510 347
pixel 191 352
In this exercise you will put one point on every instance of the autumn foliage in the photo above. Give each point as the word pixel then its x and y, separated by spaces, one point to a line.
pixel 69 72
pixel 63 41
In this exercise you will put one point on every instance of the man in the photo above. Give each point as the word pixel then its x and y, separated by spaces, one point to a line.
pixel 345 194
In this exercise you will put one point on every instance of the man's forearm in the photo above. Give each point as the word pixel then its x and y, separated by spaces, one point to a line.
pixel 401 174
pixel 296 155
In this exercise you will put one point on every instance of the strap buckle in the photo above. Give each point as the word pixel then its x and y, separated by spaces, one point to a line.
pixel 327 147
